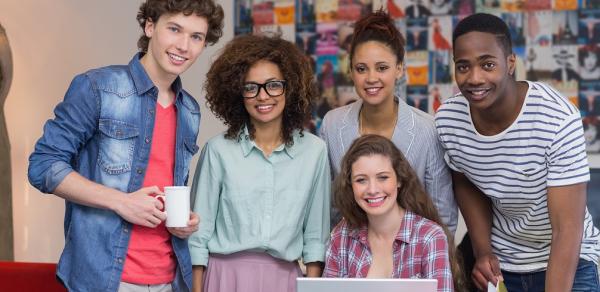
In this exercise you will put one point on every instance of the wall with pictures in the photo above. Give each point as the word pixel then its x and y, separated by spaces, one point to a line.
pixel 556 41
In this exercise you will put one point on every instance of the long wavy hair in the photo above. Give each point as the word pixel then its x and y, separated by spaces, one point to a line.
pixel 226 77
pixel 411 194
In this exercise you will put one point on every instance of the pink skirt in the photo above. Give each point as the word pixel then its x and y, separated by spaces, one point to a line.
pixel 250 272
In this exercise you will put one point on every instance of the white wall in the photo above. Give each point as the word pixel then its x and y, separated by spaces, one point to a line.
pixel 52 41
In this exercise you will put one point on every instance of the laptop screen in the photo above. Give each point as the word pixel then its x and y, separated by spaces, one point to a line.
pixel 365 285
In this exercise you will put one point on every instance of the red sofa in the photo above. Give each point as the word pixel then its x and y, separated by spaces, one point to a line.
pixel 19 276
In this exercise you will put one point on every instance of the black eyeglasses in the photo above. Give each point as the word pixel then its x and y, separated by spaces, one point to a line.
pixel 272 88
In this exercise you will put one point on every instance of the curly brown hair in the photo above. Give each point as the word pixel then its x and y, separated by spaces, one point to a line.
pixel 411 194
pixel 226 76
pixel 153 9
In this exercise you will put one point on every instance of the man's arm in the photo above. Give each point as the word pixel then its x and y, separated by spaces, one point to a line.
pixel 477 212
pixel 138 207
pixel 50 169
pixel 566 208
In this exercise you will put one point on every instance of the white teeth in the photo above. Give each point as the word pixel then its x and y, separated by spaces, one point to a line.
pixel 478 92
pixel 176 58
pixel 264 107
pixel 377 200
pixel 372 90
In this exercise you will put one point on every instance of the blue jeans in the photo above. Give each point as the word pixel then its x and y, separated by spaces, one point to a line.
pixel 586 279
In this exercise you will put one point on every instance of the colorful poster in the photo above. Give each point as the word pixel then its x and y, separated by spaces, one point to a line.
pixel 589 106
pixel 418 97
pixel 521 61
pixel 395 9
pixel 566 29
pixel 326 10
pixel 242 17
pixel 327 66
pixel 305 15
pixel 513 5
pixel 539 28
pixel 441 7
pixel 589 62
pixel 589 4
pixel 565 4
pixel 417 67
pixel 537 64
pixel 589 26
pixel 565 76
pixel 327 43
pixel 284 12
pixel 285 31
pixel 464 7
pixel 438 93
pixel 439 67
pixel 416 34
pixel 440 33
pixel 531 5
pixel 263 13
pixel 352 10
pixel 516 26
pixel 488 6
pixel 417 9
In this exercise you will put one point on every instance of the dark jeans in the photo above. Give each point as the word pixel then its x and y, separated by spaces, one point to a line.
pixel 586 279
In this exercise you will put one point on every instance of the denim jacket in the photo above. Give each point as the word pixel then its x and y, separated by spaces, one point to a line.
pixel 103 130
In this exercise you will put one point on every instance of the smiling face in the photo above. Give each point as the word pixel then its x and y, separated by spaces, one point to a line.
pixel 176 41
pixel 375 69
pixel 264 109
pixel 482 69
pixel 375 185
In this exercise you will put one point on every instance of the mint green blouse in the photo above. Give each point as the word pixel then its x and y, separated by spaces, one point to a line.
pixel 248 202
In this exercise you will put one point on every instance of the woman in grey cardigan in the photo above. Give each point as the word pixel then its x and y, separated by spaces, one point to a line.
pixel 376 61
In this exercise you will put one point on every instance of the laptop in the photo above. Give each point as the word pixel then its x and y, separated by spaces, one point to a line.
pixel 365 285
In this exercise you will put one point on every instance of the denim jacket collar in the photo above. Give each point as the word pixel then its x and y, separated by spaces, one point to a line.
pixel 142 81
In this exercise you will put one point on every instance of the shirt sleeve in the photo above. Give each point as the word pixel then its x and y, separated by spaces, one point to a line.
pixel 332 259
pixel 206 190
pixel 567 159
pixel 438 184
pixel 437 262
pixel 316 222
pixel 75 122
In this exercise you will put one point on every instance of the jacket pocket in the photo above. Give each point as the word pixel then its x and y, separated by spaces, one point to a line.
pixel 117 144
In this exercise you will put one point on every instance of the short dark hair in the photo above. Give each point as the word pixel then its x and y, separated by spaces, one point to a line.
pixel 488 23
pixel 378 26
pixel 226 76
pixel 153 9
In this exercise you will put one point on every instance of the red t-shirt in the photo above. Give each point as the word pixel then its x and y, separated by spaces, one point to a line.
pixel 150 257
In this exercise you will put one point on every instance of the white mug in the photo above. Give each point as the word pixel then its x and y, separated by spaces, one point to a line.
pixel 177 205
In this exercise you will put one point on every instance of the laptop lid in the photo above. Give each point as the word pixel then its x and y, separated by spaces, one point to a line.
pixel 365 285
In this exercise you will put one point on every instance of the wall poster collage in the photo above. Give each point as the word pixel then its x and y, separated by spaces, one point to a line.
pixel 556 41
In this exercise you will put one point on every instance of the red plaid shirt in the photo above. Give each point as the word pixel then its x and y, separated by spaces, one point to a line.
pixel 420 251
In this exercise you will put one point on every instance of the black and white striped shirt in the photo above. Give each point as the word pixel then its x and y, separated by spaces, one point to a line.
pixel 544 147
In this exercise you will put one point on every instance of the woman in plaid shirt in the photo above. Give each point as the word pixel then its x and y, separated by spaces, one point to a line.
pixel 391 228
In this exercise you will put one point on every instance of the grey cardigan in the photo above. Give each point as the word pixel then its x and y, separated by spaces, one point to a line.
pixel 415 135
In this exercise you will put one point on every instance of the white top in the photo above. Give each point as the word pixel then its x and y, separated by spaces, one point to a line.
pixel 543 148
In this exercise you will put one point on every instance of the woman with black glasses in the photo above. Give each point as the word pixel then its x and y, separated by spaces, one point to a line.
pixel 262 188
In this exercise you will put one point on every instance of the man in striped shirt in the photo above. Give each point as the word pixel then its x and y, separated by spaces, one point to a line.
pixel 519 168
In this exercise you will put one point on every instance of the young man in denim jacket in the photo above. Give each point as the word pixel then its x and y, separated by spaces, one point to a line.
pixel 120 135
